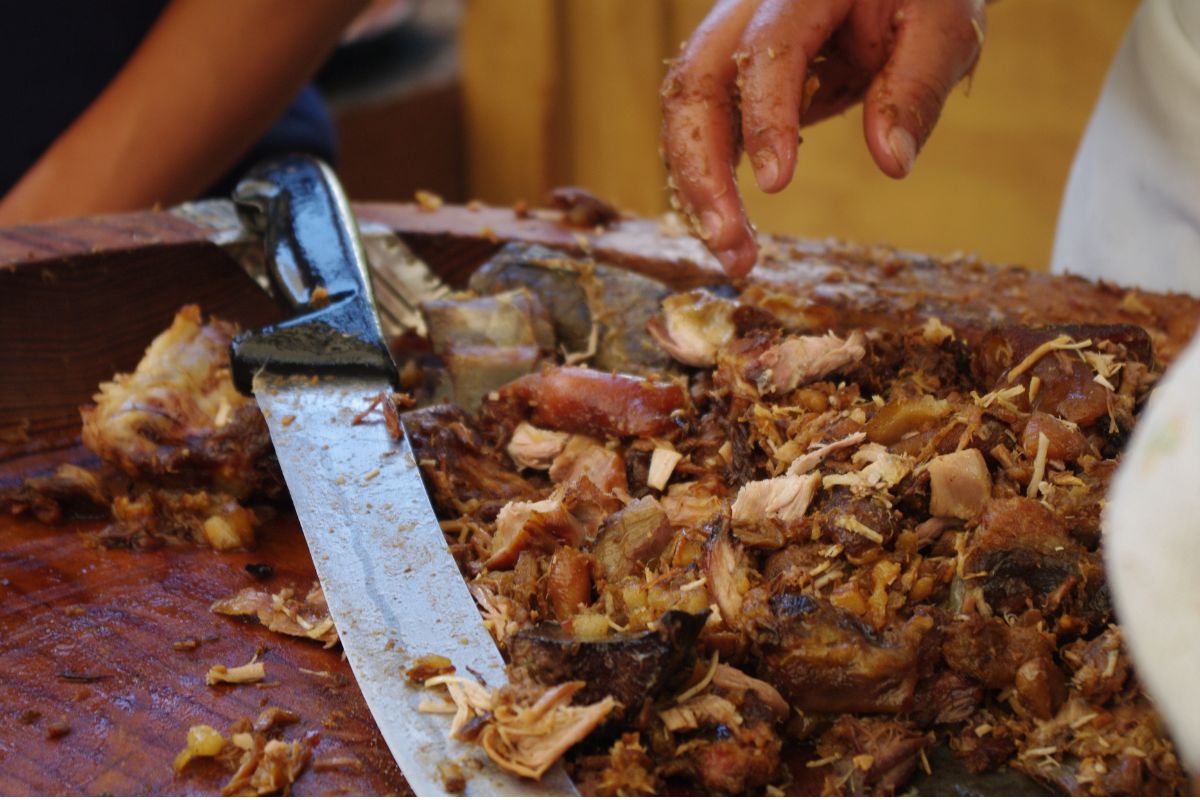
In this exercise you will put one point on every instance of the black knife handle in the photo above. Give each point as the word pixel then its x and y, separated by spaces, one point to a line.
pixel 317 263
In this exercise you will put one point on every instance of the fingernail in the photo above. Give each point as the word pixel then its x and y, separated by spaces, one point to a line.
pixel 729 259
pixel 711 222
pixel 737 261
pixel 766 169
pixel 904 148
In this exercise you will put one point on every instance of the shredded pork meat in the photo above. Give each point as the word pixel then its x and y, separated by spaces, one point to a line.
pixel 889 538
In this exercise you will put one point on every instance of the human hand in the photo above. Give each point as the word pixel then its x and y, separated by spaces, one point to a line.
pixel 754 68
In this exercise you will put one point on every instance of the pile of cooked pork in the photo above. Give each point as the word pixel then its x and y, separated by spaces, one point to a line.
pixel 725 552
pixel 829 560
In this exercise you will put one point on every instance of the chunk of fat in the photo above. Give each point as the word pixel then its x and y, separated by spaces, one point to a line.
pixel 532 447
pixel 784 499
pixel 959 484
pixel 585 457
pixel 662 464
pixel 694 326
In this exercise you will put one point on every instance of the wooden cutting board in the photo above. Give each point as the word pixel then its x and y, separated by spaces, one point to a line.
pixel 80 300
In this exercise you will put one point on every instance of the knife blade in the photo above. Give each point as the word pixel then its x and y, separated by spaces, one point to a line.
pixel 394 590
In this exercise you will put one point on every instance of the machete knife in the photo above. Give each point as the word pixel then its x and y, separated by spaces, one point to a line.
pixel 394 590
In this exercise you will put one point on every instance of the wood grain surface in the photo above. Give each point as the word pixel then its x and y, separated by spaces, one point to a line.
pixel 70 609
pixel 80 300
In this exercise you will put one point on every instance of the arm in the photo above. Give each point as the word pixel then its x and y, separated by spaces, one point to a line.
pixel 755 67
pixel 205 83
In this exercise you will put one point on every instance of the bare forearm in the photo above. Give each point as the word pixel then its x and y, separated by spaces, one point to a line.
pixel 206 82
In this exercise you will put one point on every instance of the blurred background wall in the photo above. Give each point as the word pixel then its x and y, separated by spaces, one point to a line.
pixel 530 94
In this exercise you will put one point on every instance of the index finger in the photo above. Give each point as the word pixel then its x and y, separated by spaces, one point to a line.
pixel 698 135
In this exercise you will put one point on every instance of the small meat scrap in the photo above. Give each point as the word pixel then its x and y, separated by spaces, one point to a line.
pixel 812 459
pixel 583 209
pixel 154 516
pixel 586 458
pixel 259 766
pixel 426 667
pixel 960 485
pixel 784 499
pixel 571 515
pixel 869 755
pixel 71 491
pixel 523 730
pixel 283 613
pixel 252 671
pixel 797 360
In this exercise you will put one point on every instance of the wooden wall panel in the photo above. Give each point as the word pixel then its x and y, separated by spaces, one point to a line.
pixel 511 108
pixel 612 53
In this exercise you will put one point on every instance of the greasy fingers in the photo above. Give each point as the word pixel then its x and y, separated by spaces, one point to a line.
pixel 937 43
pixel 772 59
pixel 698 135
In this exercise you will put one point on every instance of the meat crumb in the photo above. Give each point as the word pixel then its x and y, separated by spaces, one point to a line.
pixel 251 672
pixel 57 730
pixel 259 766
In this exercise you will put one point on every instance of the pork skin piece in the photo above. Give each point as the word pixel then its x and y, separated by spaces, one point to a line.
pixel 584 457
pixel 960 485
pixel 591 305
pixel 569 582
pixel 177 419
pixel 570 516
pixel 1022 556
pixel 602 404
pixel 694 326
pixel 531 447
pixel 858 524
pixel 631 537
pixel 1065 442
pixel 826 661
pixel 633 668
pixel 552 276
pixel 1068 388
pixel 458 466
